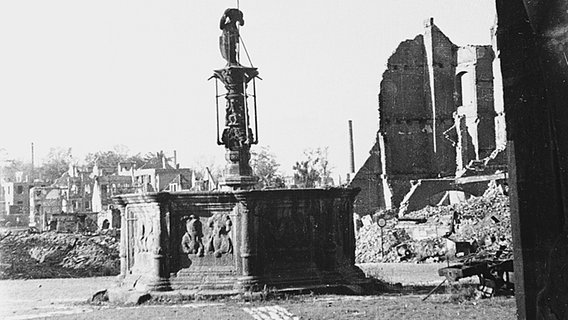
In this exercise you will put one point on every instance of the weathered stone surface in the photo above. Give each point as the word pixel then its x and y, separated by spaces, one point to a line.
pixel 127 297
pixel 276 238
pixel 100 296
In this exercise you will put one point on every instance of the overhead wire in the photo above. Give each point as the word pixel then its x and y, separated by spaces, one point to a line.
pixel 246 51
pixel 243 42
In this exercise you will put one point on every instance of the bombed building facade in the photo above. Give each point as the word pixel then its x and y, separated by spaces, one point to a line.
pixel 437 118
pixel 81 198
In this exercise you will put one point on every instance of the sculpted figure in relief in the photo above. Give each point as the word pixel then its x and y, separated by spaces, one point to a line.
pixel 220 241
pixel 145 234
pixel 192 240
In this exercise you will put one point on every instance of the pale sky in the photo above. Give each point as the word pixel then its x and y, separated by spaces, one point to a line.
pixel 93 74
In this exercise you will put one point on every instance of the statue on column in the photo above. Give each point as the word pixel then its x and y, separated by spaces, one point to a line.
pixel 229 40
pixel 237 136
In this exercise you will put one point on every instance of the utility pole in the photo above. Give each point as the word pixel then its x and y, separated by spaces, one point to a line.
pixel 351 149
pixel 351 174
pixel 32 173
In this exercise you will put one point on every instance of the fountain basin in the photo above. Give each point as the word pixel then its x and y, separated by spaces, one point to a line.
pixel 249 240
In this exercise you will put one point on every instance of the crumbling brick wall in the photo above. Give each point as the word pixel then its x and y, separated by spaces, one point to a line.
pixel 475 115
pixel 412 117
pixel 436 115
pixel 368 179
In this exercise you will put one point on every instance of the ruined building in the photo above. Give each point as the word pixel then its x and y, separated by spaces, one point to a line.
pixel 65 205
pixel 161 176
pixel 81 197
pixel 437 119
pixel 109 182
pixel 16 195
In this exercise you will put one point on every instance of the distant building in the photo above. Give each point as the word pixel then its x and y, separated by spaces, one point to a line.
pixel 154 176
pixel 161 176
pixel 3 211
pixel 107 184
pixel 77 189
pixel 74 222
pixel 81 197
pixel 16 197
pixel 53 207
pixel 45 202
pixel 204 181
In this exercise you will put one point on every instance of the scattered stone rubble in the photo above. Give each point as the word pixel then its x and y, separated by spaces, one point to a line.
pixel 25 255
pixel 483 222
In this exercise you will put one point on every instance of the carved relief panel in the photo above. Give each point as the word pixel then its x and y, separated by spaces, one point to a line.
pixel 214 237
pixel 204 234
pixel 144 224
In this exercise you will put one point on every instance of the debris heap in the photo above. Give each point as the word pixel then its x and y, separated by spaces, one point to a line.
pixel 368 248
pixel 483 222
pixel 26 255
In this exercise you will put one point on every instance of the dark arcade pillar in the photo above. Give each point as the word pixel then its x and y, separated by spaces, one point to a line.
pixel 533 48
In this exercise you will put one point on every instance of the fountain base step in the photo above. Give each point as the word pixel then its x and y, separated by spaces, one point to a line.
pixel 204 280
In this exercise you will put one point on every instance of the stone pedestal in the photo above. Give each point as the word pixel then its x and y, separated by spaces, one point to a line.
pixel 299 238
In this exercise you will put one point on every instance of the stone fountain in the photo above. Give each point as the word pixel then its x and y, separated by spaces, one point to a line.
pixel 239 239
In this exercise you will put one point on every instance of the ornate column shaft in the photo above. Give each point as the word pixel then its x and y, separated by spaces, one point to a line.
pixel 237 136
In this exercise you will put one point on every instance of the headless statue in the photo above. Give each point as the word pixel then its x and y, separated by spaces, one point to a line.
pixel 229 40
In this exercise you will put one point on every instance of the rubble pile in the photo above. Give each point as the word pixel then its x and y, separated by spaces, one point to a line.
pixel 493 202
pixel 491 233
pixel 368 248
pixel 398 245
pixel 483 222
pixel 26 255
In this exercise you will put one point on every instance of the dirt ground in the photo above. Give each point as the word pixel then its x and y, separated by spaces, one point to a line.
pixel 314 308
pixel 402 307
pixel 66 299
pixel 404 273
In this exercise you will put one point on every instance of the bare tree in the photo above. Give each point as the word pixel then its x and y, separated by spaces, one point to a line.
pixel 314 170
pixel 265 167
pixel 56 163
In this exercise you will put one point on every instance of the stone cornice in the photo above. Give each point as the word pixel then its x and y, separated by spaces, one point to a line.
pixel 303 193
pixel 174 197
